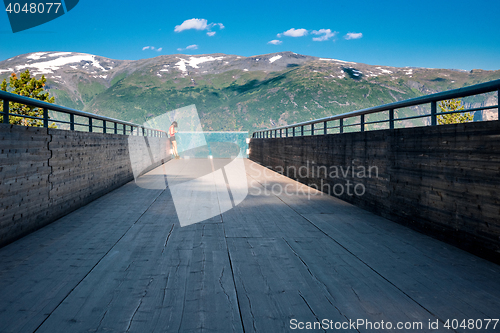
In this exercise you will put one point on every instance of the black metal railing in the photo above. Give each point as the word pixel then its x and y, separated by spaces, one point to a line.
pixel 325 124
pixel 105 125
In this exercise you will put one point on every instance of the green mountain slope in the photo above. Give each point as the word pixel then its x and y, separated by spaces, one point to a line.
pixel 239 93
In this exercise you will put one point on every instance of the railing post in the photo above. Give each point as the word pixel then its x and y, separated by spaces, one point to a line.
pixel 293 131
pixel 275 133
pixel 45 118
pixel 6 111
pixel 433 113
pixel 391 119
pixel 498 103
pixel 312 129
pixel 325 128
pixel 90 124
pixel 116 128
pixel 104 126
pixel 281 132
pixel 143 131
pixel 71 122
pixel 362 123
pixel 341 125
pixel 302 130
pixel 124 129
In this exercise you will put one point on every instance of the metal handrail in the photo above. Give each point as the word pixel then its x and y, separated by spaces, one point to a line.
pixel 433 99
pixel 134 128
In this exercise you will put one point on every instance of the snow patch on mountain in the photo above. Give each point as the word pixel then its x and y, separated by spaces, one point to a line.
pixel 181 65
pixel 36 56
pixel 336 60
pixel 194 62
pixel 273 59
pixel 385 71
pixel 48 67
pixel 58 54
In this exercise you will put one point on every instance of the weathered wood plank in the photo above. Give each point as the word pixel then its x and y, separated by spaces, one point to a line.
pixel 40 270
pixel 124 263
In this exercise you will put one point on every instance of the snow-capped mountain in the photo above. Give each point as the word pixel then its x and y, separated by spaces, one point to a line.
pixel 231 91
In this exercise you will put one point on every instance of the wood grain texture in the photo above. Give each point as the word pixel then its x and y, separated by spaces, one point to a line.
pixel 443 180
pixel 47 173
pixel 123 263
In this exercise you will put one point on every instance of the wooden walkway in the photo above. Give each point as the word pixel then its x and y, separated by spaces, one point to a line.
pixel 124 264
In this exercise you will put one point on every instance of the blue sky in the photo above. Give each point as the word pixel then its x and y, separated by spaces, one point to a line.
pixel 435 34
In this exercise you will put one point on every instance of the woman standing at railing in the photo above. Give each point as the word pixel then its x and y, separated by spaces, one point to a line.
pixel 171 132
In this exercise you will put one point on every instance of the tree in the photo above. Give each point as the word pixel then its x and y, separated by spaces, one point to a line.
pixel 28 87
pixel 453 118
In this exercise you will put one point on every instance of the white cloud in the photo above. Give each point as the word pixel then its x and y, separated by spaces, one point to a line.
pixel 293 33
pixel 275 42
pixel 198 24
pixel 325 34
pixel 190 47
pixel 152 48
pixel 194 23
pixel 353 35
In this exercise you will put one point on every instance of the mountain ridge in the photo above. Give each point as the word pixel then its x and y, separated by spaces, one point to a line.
pixel 234 92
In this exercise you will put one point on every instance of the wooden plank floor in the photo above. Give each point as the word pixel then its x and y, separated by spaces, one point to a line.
pixel 123 263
